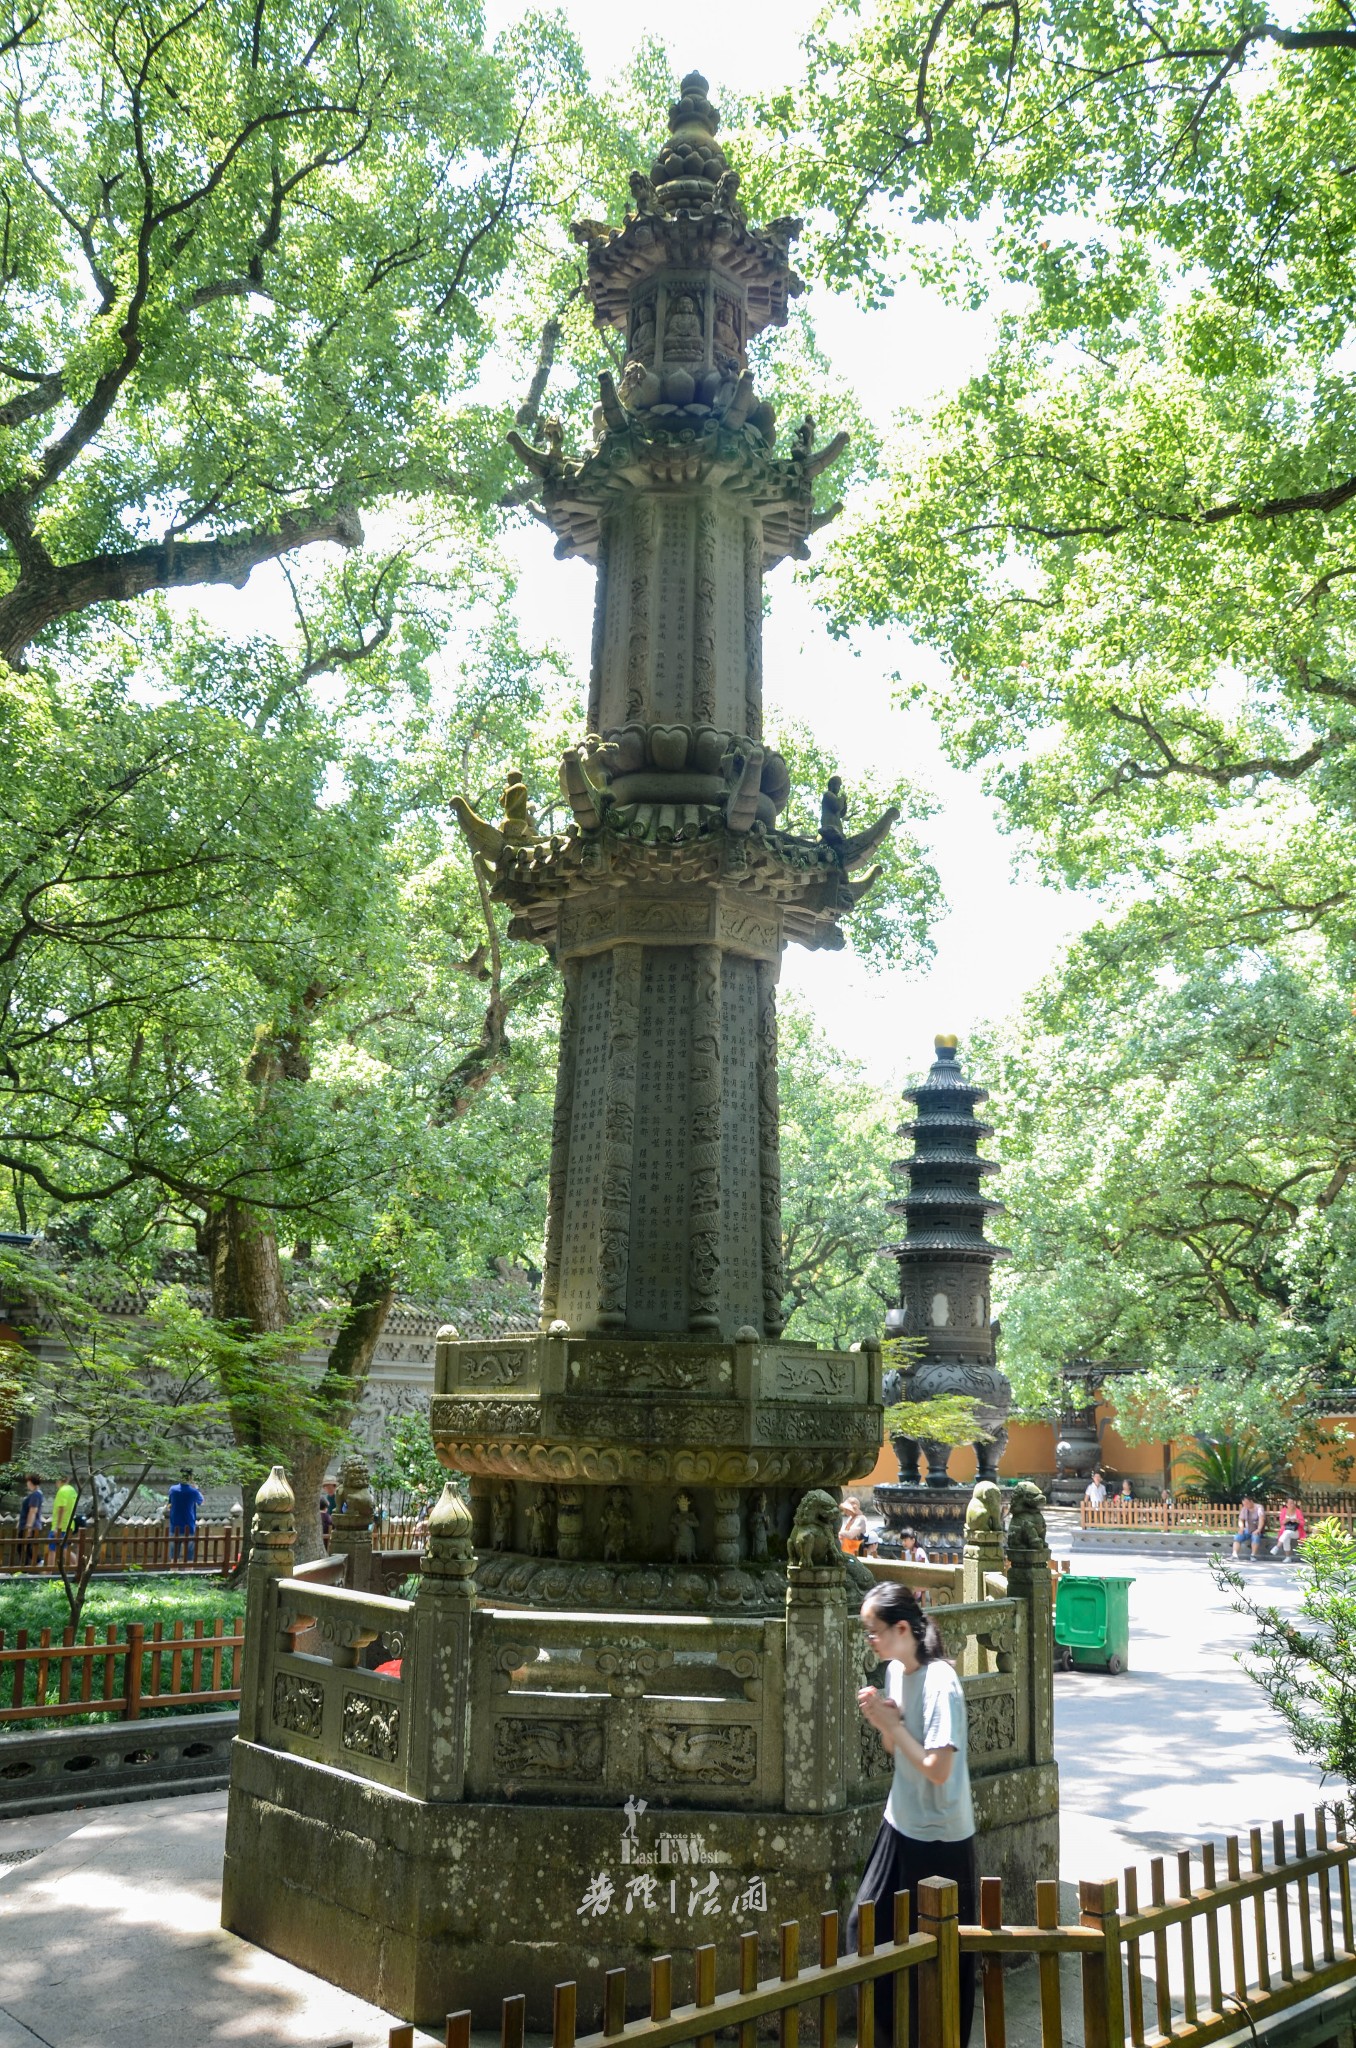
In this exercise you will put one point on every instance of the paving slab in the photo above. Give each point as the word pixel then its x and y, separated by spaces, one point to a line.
pixel 109 1939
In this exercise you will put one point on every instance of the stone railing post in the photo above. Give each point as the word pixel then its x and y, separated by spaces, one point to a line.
pixel 444 1608
pixel 273 1547
pixel 351 1529
pixel 1029 1581
pixel 813 1715
pixel 982 1557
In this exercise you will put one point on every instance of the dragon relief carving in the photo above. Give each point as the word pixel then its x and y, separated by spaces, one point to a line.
pixel 528 1747
pixel 684 1752
pixel 298 1704
pixel 371 1727
pixel 492 1368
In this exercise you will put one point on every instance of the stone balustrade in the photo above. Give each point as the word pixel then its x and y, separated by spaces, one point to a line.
pixel 590 1709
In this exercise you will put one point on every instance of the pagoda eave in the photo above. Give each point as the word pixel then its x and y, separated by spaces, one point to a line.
pixel 690 237
pixel 960 1162
pixel 926 1243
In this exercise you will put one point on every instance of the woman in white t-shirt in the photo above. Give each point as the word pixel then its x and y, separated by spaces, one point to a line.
pixel 929 1824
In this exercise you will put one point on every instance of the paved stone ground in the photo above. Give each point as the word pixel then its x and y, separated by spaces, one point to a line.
pixel 109 1935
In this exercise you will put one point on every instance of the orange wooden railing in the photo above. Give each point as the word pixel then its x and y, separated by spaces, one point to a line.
pixel 196 1664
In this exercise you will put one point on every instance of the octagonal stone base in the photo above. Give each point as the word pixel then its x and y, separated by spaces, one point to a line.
pixel 424 1908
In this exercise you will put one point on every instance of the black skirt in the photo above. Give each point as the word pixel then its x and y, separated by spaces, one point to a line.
pixel 898 1863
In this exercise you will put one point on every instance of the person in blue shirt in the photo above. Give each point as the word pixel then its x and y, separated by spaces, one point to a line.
pixel 30 1520
pixel 184 1501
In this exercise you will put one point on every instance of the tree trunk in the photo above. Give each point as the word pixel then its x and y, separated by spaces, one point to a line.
pixel 338 1396
pixel 245 1271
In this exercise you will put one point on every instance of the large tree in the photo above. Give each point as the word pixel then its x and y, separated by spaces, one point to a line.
pixel 1130 535
pixel 1179 1158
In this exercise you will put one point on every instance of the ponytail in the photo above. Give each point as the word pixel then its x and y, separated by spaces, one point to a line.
pixel 897 1605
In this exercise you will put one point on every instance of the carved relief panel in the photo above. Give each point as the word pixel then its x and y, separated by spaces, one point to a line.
pixel 684 324
pixel 643 329
pixel 727 341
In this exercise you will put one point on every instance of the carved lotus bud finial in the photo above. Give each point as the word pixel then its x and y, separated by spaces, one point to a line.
pixel 449 1552
pixel 274 1525
pixel 275 1496
pixel 945 1041
pixel 691 163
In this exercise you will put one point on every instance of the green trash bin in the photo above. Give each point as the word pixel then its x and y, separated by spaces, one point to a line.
pixel 1092 1623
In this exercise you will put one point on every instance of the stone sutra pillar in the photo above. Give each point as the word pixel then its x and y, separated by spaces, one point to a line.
pixel 649 1449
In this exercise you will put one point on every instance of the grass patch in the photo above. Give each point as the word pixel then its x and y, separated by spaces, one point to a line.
pixel 165 1597
pixel 35 1604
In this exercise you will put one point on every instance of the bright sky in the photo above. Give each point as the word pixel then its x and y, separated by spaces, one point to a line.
pixel 1002 932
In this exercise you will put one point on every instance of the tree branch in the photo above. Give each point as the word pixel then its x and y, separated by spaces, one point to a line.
pixel 45 595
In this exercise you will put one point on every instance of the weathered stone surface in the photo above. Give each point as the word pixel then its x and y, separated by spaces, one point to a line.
pixel 425 1908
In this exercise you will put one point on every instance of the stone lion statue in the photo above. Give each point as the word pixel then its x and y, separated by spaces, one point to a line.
pixel 355 1490
pixel 984 1516
pixel 813 1541
pixel 1026 1525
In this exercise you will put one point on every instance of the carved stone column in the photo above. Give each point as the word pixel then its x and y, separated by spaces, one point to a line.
pixel 704 1114
pixel 818 1696
pixel 440 1663
pixel 769 1152
pixel 1029 1580
pixel 558 1172
pixel 273 1548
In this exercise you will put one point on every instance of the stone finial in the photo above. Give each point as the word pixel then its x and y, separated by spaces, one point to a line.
pixel 449 1549
pixel 356 1507
pixel 984 1515
pixel 691 158
pixel 273 1530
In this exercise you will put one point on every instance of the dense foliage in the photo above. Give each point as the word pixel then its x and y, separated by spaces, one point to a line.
pixel 1305 1660
pixel 1129 536
pixel 1178 1152
pixel 274 280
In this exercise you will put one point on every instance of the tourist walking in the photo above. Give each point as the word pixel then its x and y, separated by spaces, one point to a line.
pixel 1292 1530
pixel 64 1502
pixel 30 1520
pixel 929 1824
pixel 184 1501
pixel 1252 1519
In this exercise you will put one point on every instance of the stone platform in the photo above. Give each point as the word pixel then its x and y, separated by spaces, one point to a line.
pixel 426 1908
pixel 423 1909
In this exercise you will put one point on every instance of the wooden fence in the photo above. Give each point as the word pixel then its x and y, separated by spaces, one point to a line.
pixel 152 1547
pixel 194 1665
pixel 1233 1946
pixel 1208 1517
pixel 132 1546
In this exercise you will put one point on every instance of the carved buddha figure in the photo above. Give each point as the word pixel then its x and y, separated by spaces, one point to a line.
pixel 729 351
pixel 683 329
pixel 642 333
